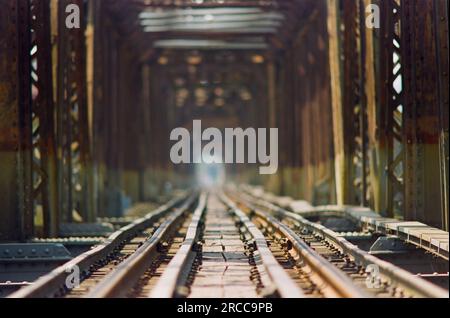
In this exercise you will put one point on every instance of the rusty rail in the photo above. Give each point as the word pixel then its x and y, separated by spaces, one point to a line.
pixel 338 283
pixel 128 272
pixel 54 283
pixel 413 285
pixel 167 284
pixel 285 286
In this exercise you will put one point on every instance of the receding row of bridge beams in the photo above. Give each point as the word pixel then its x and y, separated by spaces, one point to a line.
pixel 370 109
pixel 390 107
pixel 362 112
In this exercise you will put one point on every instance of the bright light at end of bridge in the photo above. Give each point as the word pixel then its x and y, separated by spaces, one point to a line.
pixel 210 174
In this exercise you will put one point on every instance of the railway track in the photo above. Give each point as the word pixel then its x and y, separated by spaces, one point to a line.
pixel 92 266
pixel 310 279
pixel 357 222
pixel 227 245
pixel 409 245
pixel 378 277
pixel 138 273
pixel 215 256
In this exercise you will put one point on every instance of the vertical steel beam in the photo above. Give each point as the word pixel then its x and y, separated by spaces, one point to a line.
pixel 421 113
pixel 91 181
pixel 347 58
pixel 101 114
pixel 36 159
pixel 409 110
pixel 391 106
pixel 72 119
pixel 376 151
pixel 271 78
pixel 353 101
pixel 15 122
pixel 362 140
pixel 308 83
pixel 44 157
pixel 341 169
pixel 442 65
pixel 146 129
pixel 350 64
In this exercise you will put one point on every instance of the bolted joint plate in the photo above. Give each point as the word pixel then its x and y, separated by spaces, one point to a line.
pixel 32 252
pixel 390 245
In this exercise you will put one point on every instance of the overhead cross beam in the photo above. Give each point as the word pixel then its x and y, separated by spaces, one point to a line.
pixel 147 21
pixel 233 20
pixel 212 4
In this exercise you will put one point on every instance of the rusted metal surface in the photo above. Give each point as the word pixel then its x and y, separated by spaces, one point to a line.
pixel 354 102
pixel 303 101
pixel 442 59
pixel 374 148
pixel 347 54
pixel 336 100
pixel 385 138
pixel 44 191
pixel 422 194
pixel 15 122
pixel 72 120
pixel 409 123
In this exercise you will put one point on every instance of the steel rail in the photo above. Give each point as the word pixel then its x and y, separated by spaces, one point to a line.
pixel 284 285
pixel 412 284
pixel 54 282
pixel 341 285
pixel 122 278
pixel 174 273
pixel 367 219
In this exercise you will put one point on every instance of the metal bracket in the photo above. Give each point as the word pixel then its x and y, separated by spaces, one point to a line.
pixel 389 245
pixel 340 225
pixel 86 229
pixel 32 252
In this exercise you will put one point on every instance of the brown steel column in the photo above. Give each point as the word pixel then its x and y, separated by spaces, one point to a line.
pixel 421 113
pixel 376 151
pixel 15 122
pixel 91 174
pixel 74 159
pixel 44 157
pixel 337 106
pixel 442 64
pixel 390 108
